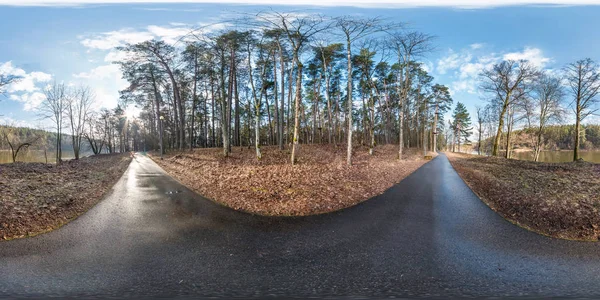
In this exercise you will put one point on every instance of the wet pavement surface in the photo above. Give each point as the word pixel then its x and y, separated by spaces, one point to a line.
pixel 429 235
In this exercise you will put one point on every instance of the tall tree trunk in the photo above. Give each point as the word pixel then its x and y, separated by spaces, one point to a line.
pixel 425 116
pixel 336 127
pixel 577 133
pixel 270 140
pixel 479 140
pixel 224 118
pixel 275 100
pixel 349 114
pixel 509 130
pixel 385 114
pixel 282 65
pixel 536 155
pixel 157 107
pixel 329 116
pixel 371 122
pixel 194 99
pixel 205 116
pixel 213 142
pixel 290 91
pixel 238 139
pixel 458 137
pixel 297 106
pixel 230 97
pixel 314 112
pixel 257 105
pixel 402 95
pixel 435 133
pixel 499 130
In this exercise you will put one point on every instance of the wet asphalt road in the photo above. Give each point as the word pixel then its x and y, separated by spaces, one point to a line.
pixel 427 236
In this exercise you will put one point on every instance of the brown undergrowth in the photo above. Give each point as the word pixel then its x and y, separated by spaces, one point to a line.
pixel 320 182
pixel 556 199
pixel 37 197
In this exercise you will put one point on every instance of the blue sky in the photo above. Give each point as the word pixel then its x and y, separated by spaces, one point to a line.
pixel 73 43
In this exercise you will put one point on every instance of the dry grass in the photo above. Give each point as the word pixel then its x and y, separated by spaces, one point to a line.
pixel 556 199
pixel 37 197
pixel 320 181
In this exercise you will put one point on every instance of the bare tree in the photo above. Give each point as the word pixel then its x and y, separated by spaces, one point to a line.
pixel 507 82
pixel 257 100
pixel 95 135
pixel 328 54
pixel 583 78
pixel 299 29
pixel 16 140
pixel 407 47
pixel 548 98
pixel 480 120
pixel 159 53
pixel 53 108
pixel 354 29
pixel 78 109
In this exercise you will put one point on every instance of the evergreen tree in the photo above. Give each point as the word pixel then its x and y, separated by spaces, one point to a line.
pixel 461 125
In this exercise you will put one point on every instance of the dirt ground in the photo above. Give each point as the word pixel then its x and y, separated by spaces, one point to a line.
pixel 320 182
pixel 38 197
pixel 556 199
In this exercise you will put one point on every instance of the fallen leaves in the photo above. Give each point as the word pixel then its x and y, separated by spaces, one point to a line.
pixel 320 181
pixel 556 199
pixel 37 197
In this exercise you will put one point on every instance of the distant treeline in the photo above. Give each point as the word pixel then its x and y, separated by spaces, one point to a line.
pixel 555 137
pixel 41 139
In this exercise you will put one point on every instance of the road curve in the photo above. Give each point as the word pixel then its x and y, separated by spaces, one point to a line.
pixel 429 235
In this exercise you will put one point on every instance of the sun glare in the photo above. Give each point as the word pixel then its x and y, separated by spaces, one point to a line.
pixel 132 112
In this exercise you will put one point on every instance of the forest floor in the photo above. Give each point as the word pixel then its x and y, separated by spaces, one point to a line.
pixel 38 197
pixel 556 199
pixel 320 182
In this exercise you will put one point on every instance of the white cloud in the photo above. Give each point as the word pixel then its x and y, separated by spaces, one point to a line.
pixel 170 35
pixel 101 72
pixel 115 55
pixel 452 61
pixel 8 69
pixel 106 81
pixel 476 46
pixel 533 55
pixel 111 39
pixel 5 120
pixel 170 9
pixel 356 3
pixel 465 66
pixel 26 89
pixel 31 101
pixel 468 74
pixel 428 67
pixel 27 81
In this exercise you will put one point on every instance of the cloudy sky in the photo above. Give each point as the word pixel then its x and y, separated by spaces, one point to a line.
pixel 73 41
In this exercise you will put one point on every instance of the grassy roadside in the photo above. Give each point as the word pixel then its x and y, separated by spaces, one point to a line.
pixel 37 197
pixel 561 200
pixel 320 182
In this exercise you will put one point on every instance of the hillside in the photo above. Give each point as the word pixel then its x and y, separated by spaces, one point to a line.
pixel 556 137
pixel 47 139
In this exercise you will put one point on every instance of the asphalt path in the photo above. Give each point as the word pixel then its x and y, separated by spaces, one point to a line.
pixel 429 235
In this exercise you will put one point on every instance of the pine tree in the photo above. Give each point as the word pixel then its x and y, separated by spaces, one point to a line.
pixel 461 124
